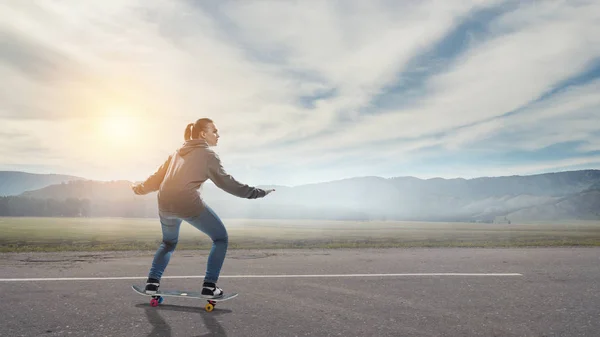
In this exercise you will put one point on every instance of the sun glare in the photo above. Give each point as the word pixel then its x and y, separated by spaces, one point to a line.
pixel 117 128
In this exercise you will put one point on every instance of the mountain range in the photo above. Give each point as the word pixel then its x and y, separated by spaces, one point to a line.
pixel 543 197
pixel 17 182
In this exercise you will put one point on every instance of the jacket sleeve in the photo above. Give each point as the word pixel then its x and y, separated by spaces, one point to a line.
pixel 153 182
pixel 226 182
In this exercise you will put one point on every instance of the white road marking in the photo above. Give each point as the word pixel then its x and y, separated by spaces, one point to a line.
pixel 250 276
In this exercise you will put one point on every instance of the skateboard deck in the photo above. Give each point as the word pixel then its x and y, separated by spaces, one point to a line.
pixel 157 298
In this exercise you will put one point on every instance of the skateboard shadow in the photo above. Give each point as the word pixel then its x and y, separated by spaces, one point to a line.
pixel 161 328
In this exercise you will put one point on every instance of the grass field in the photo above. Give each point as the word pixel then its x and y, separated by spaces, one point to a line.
pixel 94 234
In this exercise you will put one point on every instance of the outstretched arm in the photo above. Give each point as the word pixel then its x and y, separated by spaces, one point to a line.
pixel 153 182
pixel 226 182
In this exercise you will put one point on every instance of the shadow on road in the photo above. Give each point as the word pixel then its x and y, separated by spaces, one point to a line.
pixel 162 328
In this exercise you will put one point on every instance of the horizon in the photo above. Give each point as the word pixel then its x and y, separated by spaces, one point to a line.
pixel 427 90
pixel 334 180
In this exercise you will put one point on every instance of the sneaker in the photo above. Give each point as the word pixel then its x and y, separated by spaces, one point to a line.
pixel 210 290
pixel 152 286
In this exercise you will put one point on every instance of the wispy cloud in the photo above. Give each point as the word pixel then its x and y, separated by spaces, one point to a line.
pixel 567 116
pixel 303 91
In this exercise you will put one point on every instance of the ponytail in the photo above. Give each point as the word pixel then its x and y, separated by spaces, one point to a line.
pixel 192 130
pixel 187 135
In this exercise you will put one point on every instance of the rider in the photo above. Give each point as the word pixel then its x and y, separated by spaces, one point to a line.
pixel 177 182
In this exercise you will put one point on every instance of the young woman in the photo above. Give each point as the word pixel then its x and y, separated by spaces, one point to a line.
pixel 177 182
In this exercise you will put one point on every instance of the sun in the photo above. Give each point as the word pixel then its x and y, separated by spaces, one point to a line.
pixel 118 127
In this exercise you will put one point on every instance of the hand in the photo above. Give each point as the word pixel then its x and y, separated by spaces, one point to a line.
pixel 269 191
pixel 137 189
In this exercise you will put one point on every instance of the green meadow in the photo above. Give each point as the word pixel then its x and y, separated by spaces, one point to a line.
pixel 97 234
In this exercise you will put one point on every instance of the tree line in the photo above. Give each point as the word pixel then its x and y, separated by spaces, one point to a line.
pixel 74 207
pixel 22 206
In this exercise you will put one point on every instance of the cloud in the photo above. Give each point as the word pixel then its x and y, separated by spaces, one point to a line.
pixel 317 89
pixel 497 76
pixel 568 116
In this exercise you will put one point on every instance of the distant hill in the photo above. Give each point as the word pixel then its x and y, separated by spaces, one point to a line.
pixel 550 196
pixel 409 198
pixel 15 182
pixel 579 206
pixel 85 189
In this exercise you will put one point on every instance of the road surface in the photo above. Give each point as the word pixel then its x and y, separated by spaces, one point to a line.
pixel 350 292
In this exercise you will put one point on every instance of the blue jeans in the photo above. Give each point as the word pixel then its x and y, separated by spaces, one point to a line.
pixel 209 223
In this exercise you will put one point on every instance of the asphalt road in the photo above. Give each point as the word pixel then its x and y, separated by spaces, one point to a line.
pixel 539 292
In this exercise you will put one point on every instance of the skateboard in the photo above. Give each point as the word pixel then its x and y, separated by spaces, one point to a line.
pixel 158 297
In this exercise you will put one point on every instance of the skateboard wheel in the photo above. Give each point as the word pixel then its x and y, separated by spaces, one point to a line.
pixel 209 307
pixel 154 302
pixel 161 299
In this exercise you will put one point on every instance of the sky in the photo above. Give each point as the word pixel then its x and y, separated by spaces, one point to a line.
pixel 302 91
